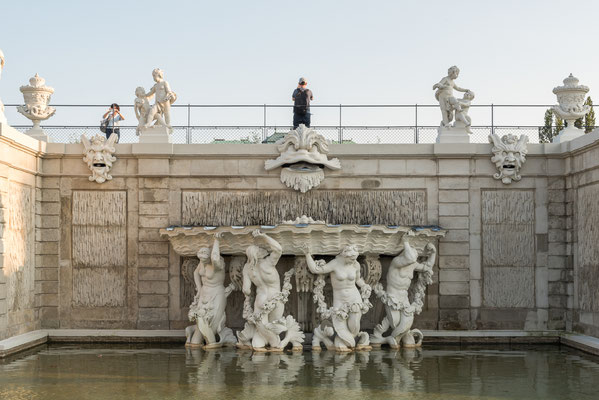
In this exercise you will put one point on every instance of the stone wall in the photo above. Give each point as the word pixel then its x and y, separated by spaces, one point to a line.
pixel 518 256
pixel 22 235
pixel 579 288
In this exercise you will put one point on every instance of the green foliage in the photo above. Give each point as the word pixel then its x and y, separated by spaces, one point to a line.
pixel 589 119
pixel 546 132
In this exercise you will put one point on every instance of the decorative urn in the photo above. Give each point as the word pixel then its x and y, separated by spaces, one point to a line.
pixel 571 106
pixel 37 96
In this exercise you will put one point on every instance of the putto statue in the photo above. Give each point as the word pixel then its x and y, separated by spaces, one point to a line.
pixel 396 298
pixel 453 109
pixel 2 116
pixel 571 106
pixel 342 320
pixel 265 321
pixel 98 155
pixel 509 155
pixel 158 114
pixel 37 96
pixel 303 157
pixel 208 307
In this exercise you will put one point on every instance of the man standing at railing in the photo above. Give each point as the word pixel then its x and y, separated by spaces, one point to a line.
pixel 301 104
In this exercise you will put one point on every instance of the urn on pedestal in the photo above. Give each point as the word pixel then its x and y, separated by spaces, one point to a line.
pixel 37 96
pixel 571 106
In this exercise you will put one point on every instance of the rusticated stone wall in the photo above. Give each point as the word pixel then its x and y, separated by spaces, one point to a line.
pixel 518 256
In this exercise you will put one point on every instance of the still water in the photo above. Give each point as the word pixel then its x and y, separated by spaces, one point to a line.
pixel 84 372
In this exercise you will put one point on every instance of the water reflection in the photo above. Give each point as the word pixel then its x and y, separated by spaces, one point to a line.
pixel 431 373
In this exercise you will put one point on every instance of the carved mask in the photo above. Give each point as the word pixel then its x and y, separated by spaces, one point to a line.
pixel 509 154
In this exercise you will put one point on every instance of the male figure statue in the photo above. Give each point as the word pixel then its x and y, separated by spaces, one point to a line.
pixel 399 311
pixel 444 95
pixel 164 98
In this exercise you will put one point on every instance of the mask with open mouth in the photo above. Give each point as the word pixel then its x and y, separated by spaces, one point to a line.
pixel 509 154
pixel 303 158
pixel 99 156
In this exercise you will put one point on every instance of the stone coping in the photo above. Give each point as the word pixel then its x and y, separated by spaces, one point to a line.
pixel 28 340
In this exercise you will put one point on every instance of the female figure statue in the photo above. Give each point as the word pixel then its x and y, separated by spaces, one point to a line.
pixel 349 303
pixel 208 307
pixel 265 321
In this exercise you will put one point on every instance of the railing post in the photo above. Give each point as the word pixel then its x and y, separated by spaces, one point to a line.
pixel 416 123
pixel 340 127
pixel 492 120
pixel 264 133
pixel 188 123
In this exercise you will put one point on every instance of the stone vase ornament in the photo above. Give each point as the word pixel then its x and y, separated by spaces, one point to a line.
pixel 264 309
pixel 98 154
pixel 303 159
pixel 403 299
pixel 340 324
pixel 509 155
pixel 37 96
pixel 455 122
pixel 210 301
pixel 571 97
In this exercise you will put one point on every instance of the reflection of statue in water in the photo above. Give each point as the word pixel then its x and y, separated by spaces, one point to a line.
pixel 397 368
pixel 208 307
pixel 342 369
pixel 444 94
pixel 399 311
pixel 2 117
pixel 349 303
pixel 265 321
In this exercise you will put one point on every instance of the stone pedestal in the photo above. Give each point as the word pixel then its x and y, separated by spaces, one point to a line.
pixel 568 133
pixel 155 134
pixel 453 134
pixel 39 134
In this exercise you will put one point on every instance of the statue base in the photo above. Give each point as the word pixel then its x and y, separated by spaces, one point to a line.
pixel 155 134
pixel 568 134
pixel 39 134
pixel 452 134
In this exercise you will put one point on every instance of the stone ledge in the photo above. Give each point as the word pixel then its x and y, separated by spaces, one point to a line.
pixel 28 340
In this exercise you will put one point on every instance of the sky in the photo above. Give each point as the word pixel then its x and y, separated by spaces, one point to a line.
pixel 351 52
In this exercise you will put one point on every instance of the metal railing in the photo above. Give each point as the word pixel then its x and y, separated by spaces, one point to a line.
pixel 341 123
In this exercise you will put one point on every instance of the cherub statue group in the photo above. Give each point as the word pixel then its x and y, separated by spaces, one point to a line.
pixel 267 328
pixel 158 114
pixel 452 108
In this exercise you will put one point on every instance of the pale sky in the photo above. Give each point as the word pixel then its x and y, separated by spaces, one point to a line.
pixel 351 52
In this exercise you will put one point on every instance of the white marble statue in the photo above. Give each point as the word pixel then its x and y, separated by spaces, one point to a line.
pixel 98 154
pixel 143 110
pixel 2 116
pixel 399 311
pixel 37 96
pixel 210 301
pixel 164 97
pixel 265 320
pixel 303 156
pixel 340 324
pixel 571 97
pixel 455 123
pixel 509 155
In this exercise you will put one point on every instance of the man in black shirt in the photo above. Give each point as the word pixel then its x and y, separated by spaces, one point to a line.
pixel 301 104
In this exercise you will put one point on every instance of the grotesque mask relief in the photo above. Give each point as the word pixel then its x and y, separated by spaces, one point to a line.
pixel 303 159
pixel 99 157
pixel 509 154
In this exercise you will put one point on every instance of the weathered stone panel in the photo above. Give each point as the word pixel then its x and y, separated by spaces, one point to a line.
pixel 19 237
pixel 588 248
pixel 508 248
pixel 99 244
pixel 391 207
